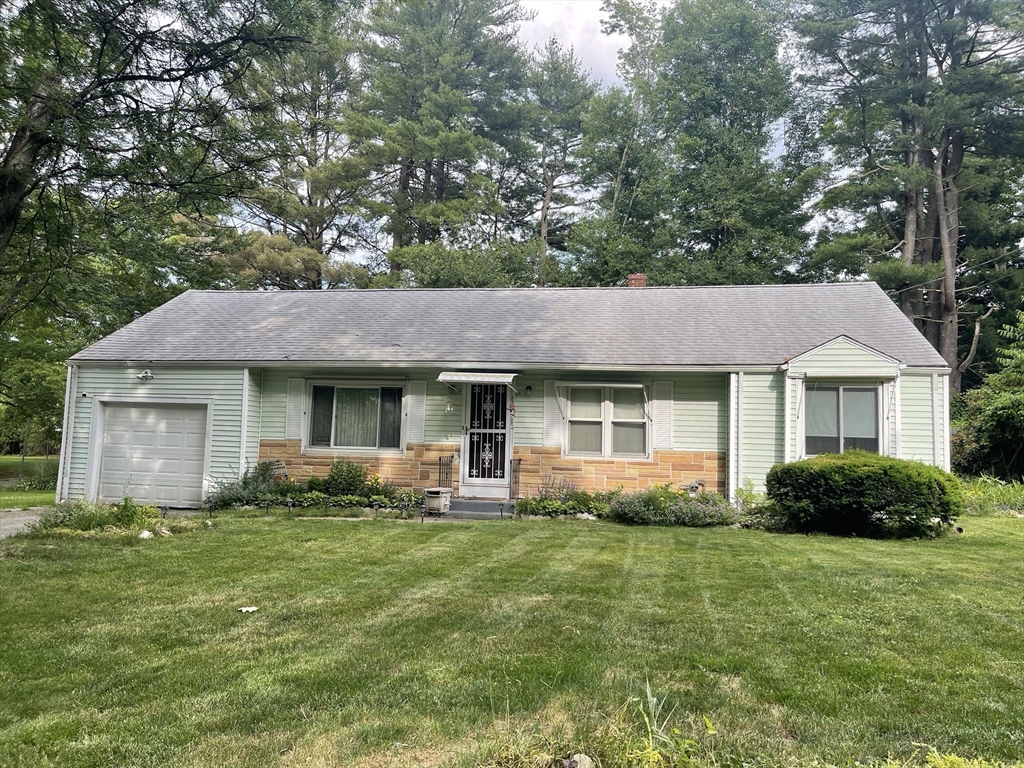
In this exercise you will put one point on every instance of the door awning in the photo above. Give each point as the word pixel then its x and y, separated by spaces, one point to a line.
pixel 469 377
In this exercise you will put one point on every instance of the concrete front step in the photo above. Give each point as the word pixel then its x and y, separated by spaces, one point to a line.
pixel 480 509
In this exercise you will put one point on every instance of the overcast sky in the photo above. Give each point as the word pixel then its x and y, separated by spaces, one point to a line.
pixel 575 23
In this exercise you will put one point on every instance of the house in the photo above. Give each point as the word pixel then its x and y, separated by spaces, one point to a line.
pixel 604 387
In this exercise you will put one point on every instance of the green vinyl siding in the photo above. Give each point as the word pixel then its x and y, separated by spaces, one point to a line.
pixel 700 412
pixel 763 427
pixel 843 358
pixel 223 385
pixel 253 417
pixel 443 416
pixel 529 421
pixel 917 439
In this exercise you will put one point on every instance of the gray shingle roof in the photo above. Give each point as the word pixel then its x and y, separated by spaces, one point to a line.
pixel 707 326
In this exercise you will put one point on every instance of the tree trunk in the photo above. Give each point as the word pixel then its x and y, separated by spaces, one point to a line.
pixel 398 216
pixel 18 172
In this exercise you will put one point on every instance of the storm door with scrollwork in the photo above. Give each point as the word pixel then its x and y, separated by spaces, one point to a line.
pixel 486 452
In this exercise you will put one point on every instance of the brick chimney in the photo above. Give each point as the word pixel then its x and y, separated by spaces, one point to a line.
pixel 637 280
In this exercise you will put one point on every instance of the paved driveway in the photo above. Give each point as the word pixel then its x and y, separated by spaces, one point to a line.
pixel 14 520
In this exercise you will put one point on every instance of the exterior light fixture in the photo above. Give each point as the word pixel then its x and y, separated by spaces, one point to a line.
pixel 529 389
pixel 146 375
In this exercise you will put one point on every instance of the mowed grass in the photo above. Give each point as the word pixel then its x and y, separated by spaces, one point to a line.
pixel 12 499
pixel 395 643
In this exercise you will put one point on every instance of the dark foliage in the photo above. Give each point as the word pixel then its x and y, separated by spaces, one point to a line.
pixel 863 494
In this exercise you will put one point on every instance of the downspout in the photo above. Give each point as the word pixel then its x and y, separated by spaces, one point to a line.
pixel 245 422
pixel 787 454
pixel 936 422
pixel 66 434
pixel 731 477
pixel 739 429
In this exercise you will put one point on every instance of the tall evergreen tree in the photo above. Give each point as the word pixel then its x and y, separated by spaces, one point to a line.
pixel 700 186
pixel 445 81
pixel 922 96
pixel 305 205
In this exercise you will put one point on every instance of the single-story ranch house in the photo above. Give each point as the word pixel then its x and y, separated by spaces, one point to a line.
pixel 604 387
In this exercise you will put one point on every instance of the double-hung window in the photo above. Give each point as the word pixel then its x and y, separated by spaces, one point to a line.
pixel 356 417
pixel 607 421
pixel 839 418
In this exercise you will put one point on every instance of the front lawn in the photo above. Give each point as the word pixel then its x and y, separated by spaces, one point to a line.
pixel 395 643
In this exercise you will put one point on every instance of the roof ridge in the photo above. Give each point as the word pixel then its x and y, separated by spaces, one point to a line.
pixel 546 289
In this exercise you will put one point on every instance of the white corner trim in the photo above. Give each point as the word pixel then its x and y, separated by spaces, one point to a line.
pixel 739 429
pixel 898 416
pixel 731 474
pixel 936 422
pixel 245 422
pixel 94 458
pixel 787 432
pixel 947 458
pixel 67 430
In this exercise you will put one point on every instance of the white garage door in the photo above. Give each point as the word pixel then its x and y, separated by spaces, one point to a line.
pixel 153 453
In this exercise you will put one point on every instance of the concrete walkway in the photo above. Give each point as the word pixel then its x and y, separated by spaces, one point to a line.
pixel 14 521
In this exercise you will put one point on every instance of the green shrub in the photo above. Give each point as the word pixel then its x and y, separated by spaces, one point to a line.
pixel 661 505
pixel 863 494
pixel 256 482
pixel 345 478
pixel 317 484
pixel 82 515
pixel 376 487
pixel 564 498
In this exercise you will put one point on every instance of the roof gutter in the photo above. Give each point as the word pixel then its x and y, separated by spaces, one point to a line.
pixel 460 366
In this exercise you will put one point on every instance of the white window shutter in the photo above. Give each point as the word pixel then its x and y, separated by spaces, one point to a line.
pixel 293 409
pixel 661 415
pixel 416 426
pixel 552 415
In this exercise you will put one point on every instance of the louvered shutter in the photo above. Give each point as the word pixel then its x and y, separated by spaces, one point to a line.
pixel 293 409
pixel 552 415
pixel 415 431
pixel 661 415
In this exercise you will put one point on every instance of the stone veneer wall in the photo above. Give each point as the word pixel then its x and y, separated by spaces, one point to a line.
pixel 541 463
pixel 418 468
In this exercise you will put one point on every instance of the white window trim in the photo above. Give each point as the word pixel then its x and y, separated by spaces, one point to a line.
pixel 880 408
pixel 323 450
pixel 606 420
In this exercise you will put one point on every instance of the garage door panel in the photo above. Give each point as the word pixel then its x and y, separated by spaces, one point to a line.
pixel 156 452
pixel 116 437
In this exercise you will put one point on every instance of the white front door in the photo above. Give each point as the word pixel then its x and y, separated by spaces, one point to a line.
pixel 486 442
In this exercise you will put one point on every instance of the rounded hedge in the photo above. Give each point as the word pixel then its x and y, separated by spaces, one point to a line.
pixel 863 494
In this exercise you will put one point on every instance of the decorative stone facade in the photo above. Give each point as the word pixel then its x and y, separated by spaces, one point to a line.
pixel 418 468
pixel 541 464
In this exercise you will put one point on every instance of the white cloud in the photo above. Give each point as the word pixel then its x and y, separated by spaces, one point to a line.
pixel 576 23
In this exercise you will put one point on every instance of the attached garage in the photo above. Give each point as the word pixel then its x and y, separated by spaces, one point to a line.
pixel 155 452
